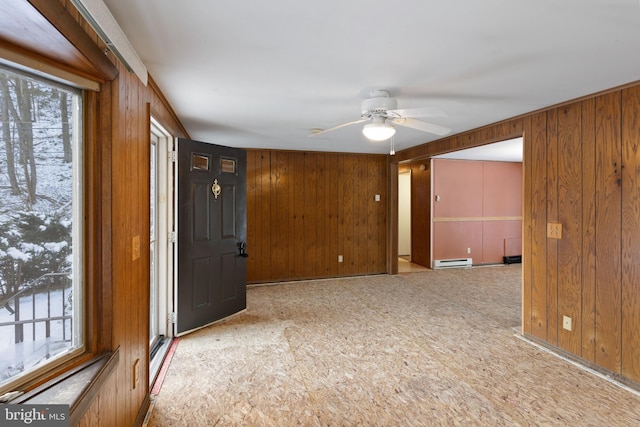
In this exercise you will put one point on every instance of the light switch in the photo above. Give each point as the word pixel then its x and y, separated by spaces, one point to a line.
pixel 377 197
pixel 135 248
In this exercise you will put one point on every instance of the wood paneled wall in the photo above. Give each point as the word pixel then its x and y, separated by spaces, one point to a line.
pixel 120 118
pixel 421 213
pixel 128 150
pixel 582 170
pixel 305 209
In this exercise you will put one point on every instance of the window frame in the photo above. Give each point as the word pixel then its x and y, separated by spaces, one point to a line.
pixel 86 236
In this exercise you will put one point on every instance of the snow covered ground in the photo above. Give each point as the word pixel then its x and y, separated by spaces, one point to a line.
pixel 36 347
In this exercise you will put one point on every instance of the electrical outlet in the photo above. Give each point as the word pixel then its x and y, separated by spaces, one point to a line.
pixel 566 323
pixel 554 230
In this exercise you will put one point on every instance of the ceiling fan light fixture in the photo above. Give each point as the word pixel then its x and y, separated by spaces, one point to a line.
pixel 378 131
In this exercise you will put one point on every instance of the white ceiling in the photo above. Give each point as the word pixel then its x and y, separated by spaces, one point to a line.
pixel 262 74
pixel 503 151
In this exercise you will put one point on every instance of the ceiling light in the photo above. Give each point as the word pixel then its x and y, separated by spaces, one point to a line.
pixel 378 130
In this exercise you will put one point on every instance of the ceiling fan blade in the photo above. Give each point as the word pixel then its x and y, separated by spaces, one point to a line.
pixel 317 132
pixel 420 125
pixel 417 112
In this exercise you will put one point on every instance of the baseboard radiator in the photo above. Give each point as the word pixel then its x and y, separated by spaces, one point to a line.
pixel 450 263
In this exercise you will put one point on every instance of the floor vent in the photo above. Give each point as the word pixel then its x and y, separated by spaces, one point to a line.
pixel 512 259
pixel 448 263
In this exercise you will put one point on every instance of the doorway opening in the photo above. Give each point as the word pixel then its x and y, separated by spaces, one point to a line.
pixel 476 199
pixel 490 230
pixel 405 264
pixel 160 247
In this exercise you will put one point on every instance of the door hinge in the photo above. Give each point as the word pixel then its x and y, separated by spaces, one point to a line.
pixel 172 237
pixel 173 156
pixel 172 317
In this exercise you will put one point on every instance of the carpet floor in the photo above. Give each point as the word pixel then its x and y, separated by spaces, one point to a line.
pixel 439 347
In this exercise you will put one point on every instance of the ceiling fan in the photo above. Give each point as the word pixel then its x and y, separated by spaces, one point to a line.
pixel 383 112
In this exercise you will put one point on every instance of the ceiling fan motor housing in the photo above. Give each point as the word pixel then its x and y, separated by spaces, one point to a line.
pixel 377 105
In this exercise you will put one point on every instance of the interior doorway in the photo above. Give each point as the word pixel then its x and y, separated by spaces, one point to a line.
pixel 420 190
pixel 405 265
pixel 404 215
pixel 160 246
pixel 476 200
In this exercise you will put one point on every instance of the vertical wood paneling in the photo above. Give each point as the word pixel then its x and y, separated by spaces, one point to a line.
pixel 539 225
pixel 631 233
pixel 570 216
pixel 316 207
pixel 381 227
pixel 526 226
pixel 391 215
pixel 342 229
pixel 331 178
pixel 274 248
pixel 282 258
pixel 322 217
pixel 588 141
pixel 362 207
pixel 103 409
pixel 608 232
pixel 124 117
pixel 252 222
pixel 349 172
pixel 120 234
pixel 552 216
pixel 358 206
pixel 311 206
pixel 138 138
pixel 370 248
pixel 298 216
pixel 263 185
pixel 105 281
pixel 291 189
pixel 421 213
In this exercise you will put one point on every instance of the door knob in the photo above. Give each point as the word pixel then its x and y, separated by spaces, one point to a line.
pixel 243 250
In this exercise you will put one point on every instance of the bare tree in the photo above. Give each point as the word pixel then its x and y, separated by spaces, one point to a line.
pixel 5 101
pixel 66 133
pixel 24 120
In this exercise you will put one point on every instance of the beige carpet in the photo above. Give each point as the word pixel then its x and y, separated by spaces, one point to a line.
pixel 420 349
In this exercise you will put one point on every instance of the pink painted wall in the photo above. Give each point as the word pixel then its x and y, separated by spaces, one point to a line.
pixel 477 209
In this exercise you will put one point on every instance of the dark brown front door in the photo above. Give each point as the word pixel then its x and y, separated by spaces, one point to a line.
pixel 211 233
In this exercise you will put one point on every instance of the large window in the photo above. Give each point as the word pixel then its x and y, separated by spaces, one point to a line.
pixel 40 225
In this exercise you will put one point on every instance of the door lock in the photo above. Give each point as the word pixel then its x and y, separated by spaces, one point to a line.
pixel 243 250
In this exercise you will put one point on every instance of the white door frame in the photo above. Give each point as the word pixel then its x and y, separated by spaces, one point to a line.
pixel 165 219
